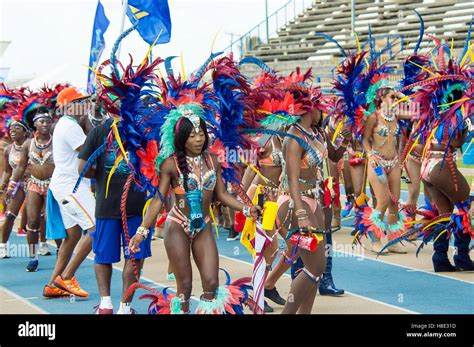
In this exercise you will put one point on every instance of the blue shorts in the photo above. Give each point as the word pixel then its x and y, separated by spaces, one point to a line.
pixel 109 237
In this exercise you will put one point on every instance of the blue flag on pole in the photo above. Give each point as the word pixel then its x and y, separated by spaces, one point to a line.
pixel 101 23
pixel 153 18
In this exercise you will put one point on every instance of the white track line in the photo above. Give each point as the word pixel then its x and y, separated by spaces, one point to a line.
pixel 350 293
pixel 155 284
pixel 20 298
pixel 413 269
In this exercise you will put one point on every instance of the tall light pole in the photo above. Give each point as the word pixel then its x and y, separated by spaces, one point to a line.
pixel 232 39
pixel 266 19
pixel 353 17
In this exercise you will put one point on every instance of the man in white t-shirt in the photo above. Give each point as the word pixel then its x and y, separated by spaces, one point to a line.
pixel 76 209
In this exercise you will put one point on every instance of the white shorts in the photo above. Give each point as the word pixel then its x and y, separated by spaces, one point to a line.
pixel 78 209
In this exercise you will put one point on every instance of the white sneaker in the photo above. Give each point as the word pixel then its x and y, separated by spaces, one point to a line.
pixel 44 249
pixel 3 251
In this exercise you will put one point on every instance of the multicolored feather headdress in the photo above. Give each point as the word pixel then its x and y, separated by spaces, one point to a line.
pixel 445 98
pixel 127 94
pixel 9 99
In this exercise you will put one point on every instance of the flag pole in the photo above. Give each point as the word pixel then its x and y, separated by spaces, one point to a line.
pixel 122 24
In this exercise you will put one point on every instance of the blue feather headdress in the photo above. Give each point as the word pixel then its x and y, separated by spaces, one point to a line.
pixel 129 97
pixel 231 89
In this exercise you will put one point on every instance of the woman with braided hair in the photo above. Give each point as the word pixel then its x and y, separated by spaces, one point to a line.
pixel 195 176
pixel 304 206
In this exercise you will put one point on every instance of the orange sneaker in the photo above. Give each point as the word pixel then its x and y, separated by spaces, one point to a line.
pixel 54 292
pixel 70 286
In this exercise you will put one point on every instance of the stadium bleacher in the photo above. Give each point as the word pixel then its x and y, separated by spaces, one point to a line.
pixel 296 43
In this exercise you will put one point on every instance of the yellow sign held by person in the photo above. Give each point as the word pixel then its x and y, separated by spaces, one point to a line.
pixel 248 233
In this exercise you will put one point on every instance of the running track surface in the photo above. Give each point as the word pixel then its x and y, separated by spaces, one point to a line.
pixel 423 292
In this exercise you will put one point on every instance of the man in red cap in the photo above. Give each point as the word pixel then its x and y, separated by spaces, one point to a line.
pixel 76 209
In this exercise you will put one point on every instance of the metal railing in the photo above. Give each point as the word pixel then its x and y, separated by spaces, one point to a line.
pixel 268 28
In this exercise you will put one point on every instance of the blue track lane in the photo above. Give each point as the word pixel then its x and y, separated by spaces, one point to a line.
pixel 395 285
pixel 30 285
pixel 416 291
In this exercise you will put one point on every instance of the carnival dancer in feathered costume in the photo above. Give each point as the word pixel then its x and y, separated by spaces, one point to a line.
pixel 7 96
pixel 363 86
pixel 17 131
pixel 166 143
pixel 446 106
pixel 197 177
pixel 303 187
pixel 36 160
pixel 277 111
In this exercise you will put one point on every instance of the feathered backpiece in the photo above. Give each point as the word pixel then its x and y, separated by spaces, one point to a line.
pixel 47 95
pixel 128 96
pixel 182 98
pixel 25 109
pixel 298 77
pixel 444 99
pixel 267 76
pixel 280 113
pixel 415 66
pixel 300 85
pixel 9 102
pixel 346 85
pixel 234 113
pixel 8 95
